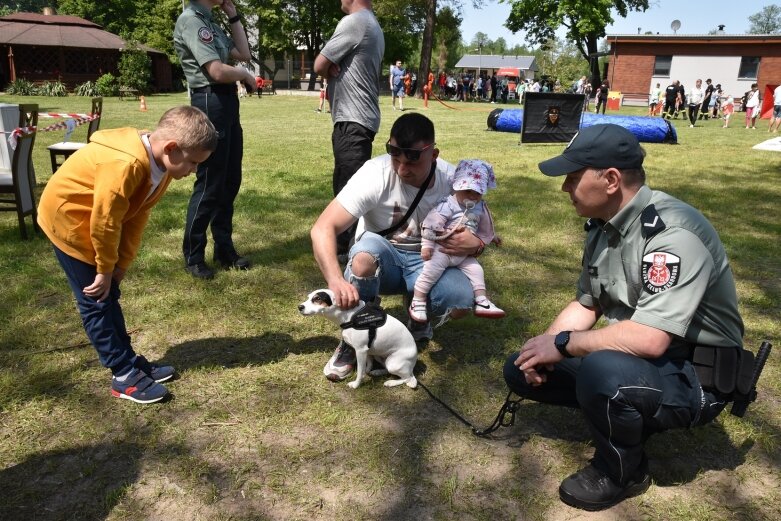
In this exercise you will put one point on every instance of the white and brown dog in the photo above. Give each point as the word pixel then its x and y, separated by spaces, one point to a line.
pixel 392 345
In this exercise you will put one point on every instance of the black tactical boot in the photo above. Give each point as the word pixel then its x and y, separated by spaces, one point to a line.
pixel 591 489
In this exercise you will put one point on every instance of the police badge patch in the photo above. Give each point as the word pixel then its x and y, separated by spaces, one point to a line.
pixel 205 35
pixel 660 271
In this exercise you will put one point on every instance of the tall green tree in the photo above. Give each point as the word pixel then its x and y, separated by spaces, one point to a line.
pixel 115 17
pixel 153 25
pixel 767 21
pixel 585 21
pixel 24 6
pixel 447 38
pixel 270 27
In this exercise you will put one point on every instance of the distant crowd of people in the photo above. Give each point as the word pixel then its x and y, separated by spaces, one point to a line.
pixel 702 102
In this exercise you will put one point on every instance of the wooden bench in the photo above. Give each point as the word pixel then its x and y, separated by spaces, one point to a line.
pixel 127 92
pixel 268 87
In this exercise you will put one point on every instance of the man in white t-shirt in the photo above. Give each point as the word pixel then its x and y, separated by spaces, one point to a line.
pixel 696 95
pixel 775 120
pixel 378 197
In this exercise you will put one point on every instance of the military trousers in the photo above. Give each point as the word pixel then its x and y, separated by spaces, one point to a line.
pixel 217 180
pixel 624 399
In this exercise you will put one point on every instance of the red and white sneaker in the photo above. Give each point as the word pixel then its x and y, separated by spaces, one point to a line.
pixel 417 310
pixel 484 308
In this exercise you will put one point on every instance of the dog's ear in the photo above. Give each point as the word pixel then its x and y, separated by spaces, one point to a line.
pixel 324 297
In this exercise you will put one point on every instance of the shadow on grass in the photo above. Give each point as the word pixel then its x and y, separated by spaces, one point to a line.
pixel 84 482
pixel 239 352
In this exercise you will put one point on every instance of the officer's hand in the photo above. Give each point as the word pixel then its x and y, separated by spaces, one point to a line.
pixel 334 70
pixel 229 8
pixel 538 352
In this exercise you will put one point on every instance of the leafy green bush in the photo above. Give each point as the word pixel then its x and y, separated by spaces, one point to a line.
pixel 52 88
pixel 107 85
pixel 88 88
pixel 135 69
pixel 21 87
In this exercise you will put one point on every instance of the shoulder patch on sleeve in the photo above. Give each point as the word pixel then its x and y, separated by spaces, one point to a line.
pixel 661 271
pixel 205 35
pixel 651 221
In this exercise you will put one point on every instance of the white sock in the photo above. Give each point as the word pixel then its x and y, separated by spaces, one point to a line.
pixel 123 377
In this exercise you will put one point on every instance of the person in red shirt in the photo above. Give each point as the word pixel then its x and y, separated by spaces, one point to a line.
pixel 259 85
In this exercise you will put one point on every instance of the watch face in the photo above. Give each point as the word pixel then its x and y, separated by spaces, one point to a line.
pixel 562 339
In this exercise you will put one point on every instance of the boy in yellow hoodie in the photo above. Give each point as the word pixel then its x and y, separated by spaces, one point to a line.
pixel 94 210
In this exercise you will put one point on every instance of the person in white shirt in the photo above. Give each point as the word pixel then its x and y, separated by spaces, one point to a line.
pixel 752 106
pixel 775 120
pixel 654 99
pixel 696 95
pixel 386 257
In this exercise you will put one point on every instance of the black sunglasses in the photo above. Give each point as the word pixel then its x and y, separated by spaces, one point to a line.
pixel 412 154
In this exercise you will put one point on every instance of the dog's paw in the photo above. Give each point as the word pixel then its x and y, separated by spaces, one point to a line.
pixel 354 384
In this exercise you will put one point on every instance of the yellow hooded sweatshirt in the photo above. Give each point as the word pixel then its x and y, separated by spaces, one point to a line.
pixel 95 207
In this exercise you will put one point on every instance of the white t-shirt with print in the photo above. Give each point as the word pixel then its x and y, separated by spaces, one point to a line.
pixel 377 196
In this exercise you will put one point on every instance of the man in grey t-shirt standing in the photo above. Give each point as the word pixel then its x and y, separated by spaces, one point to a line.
pixel 351 61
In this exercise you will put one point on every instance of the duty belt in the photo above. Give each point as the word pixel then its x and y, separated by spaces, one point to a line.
pixel 217 88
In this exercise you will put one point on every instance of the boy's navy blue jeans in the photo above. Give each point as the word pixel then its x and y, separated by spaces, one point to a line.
pixel 103 321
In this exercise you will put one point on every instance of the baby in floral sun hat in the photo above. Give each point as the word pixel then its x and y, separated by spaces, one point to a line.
pixel 464 207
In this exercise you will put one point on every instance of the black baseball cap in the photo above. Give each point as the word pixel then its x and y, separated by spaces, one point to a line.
pixel 598 146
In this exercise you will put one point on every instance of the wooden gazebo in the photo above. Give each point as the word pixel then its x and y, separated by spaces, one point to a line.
pixel 44 47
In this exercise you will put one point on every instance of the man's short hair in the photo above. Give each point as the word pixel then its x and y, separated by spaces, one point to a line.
pixel 189 127
pixel 412 128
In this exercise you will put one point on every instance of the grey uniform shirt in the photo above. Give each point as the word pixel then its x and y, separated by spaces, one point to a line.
pixel 660 262
pixel 357 46
pixel 198 40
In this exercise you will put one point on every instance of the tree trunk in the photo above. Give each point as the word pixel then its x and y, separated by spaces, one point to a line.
pixel 591 49
pixel 427 46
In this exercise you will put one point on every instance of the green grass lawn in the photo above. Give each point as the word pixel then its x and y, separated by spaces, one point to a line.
pixel 254 431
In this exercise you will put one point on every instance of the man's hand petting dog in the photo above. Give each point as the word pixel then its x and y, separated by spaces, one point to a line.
pixel 393 344
pixel 345 295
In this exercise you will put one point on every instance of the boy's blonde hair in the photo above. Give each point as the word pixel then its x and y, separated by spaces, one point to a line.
pixel 189 127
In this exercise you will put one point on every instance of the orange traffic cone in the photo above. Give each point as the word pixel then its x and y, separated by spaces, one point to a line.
pixel 142 108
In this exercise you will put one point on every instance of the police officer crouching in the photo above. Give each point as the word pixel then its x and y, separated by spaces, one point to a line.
pixel 205 50
pixel 656 270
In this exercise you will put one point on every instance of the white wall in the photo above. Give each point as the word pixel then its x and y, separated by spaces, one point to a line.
pixel 723 70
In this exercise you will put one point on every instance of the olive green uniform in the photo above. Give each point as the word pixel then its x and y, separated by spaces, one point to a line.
pixel 199 40
pixel 660 263
pixel 665 268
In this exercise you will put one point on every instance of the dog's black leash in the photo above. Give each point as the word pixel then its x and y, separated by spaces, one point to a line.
pixel 509 407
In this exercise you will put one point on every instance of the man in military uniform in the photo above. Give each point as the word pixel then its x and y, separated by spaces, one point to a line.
pixel 205 50
pixel 655 269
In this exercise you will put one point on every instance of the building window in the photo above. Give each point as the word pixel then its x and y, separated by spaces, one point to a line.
pixel 662 65
pixel 749 68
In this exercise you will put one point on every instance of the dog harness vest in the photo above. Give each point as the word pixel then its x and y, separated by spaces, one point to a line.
pixel 369 317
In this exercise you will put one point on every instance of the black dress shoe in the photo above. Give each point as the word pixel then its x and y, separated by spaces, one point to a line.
pixel 200 270
pixel 232 260
pixel 591 489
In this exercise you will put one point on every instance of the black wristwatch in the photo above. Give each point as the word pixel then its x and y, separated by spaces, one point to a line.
pixel 561 341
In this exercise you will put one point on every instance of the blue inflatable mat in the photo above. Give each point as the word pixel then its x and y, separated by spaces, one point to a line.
pixel 646 129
